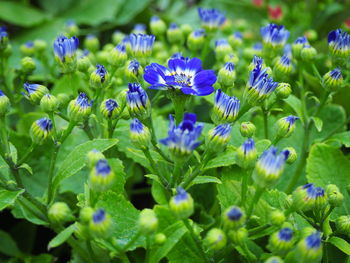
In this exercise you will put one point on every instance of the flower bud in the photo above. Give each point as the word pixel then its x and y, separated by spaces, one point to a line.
pixel 80 108
pixel 277 218
pixel 65 52
pixel 186 29
pixel 195 40
pixel 92 43
pixel 286 126
pixel 233 217
pixel 339 43
pixel 298 46
pixel 99 78
pixel 222 48
pixel 4 104
pixel 309 249
pixel 283 66
pixel 160 239
pixel 148 221
pixel 101 176
pixel 4 39
pixel 34 92
pixel 333 80
pixel 59 212
pixel 215 239
pixel 27 49
pixel 157 26
pixel 117 37
pixel 182 204
pixel 239 236
pixel 335 197
pixel 118 56
pixel 139 134
pixel 40 45
pixel 308 53
pixel 137 101
pixel 100 223
pixel 219 137
pixel 246 154
pixel 71 28
pixel 41 130
pixel 247 129
pixel 139 29
pixel 93 157
pixel 292 155
pixel 283 90
pixel 63 99
pixel 227 75
pixel 281 241
pixel 85 214
pixel 110 109
pixel 49 103
pixel 343 224
pixel 236 39
pixel 133 70
pixel 27 65
pixel 225 109
pixel 309 197
pixel 175 34
pixel 83 63
pixel 81 231
pixel 274 259
pixel 269 167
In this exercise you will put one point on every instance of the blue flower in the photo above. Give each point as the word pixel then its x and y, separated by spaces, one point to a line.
pixel 247 154
pixel 182 203
pixel 181 195
pixel 137 101
pixel 269 167
pixel 83 101
pixel 173 26
pixel 99 76
pixel 198 33
pixel 286 126
pixel 34 92
pixel 141 45
pixel 65 48
pixel 101 176
pixel 41 130
pixel 339 43
pixel 226 108
pixel 285 234
pixel 102 168
pixel 80 108
pixel 44 124
pixel 238 35
pixel 110 109
pixel 139 134
pixel 186 75
pixel 257 46
pixel 234 214
pixel 233 217
pixel 183 139
pixel 134 67
pixel 219 136
pixel 260 85
pixel 301 40
pixel 99 216
pixel 211 18
pixel 274 35
pixel 313 241
pixel 3 37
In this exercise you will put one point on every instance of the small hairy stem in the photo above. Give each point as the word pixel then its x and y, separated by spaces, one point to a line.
pixel 26 155
pixel 258 193
pixel 51 172
pixel 266 125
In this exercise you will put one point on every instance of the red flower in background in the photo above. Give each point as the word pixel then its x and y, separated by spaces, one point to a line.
pixel 275 13
pixel 258 3
pixel 347 23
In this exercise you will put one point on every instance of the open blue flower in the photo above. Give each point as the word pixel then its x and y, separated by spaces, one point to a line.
pixel 65 48
pixel 274 35
pixel 339 42
pixel 183 74
pixel 182 140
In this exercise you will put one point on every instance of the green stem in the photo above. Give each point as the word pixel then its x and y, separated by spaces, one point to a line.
pixel 266 125
pixel 196 240
pixel 52 117
pixel 245 178
pixel 294 180
pixel 179 107
pixel 51 172
pixel 316 71
pixel 4 136
pixel 68 131
pixel 91 251
pixel 154 168
pixel 176 173
pixel 258 193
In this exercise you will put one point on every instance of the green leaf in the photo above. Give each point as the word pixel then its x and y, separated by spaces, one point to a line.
pixel 340 243
pixel 328 165
pixel 226 158
pixel 124 216
pixel 66 83
pixel 27 168
pixel 159 193
pixel 8 246
pixel 61 237
pixel 295 104
pixel 318 123
pixel 24 209
pixel 204 179
pixel 173 233
pixel 343 137
pixel 8 198
pixel 76 160
pixel 129 9
pixel 20 15
pixel 118 169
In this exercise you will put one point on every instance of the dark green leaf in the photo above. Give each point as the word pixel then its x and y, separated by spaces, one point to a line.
pixel 8 246
pixel 8 198
pixel 61 237
pixel 340 243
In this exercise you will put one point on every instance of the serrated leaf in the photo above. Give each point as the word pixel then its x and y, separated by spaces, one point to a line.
pixel 8 198
pixel 76 160
pixel 124 216
pixel 318 123
pixel 226 158
pixel 205 179
pixel 328 165
pixel 173 233
pixel 61 237
pixel 341 244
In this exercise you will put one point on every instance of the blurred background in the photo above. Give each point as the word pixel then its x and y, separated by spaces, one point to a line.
pixel 46 19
